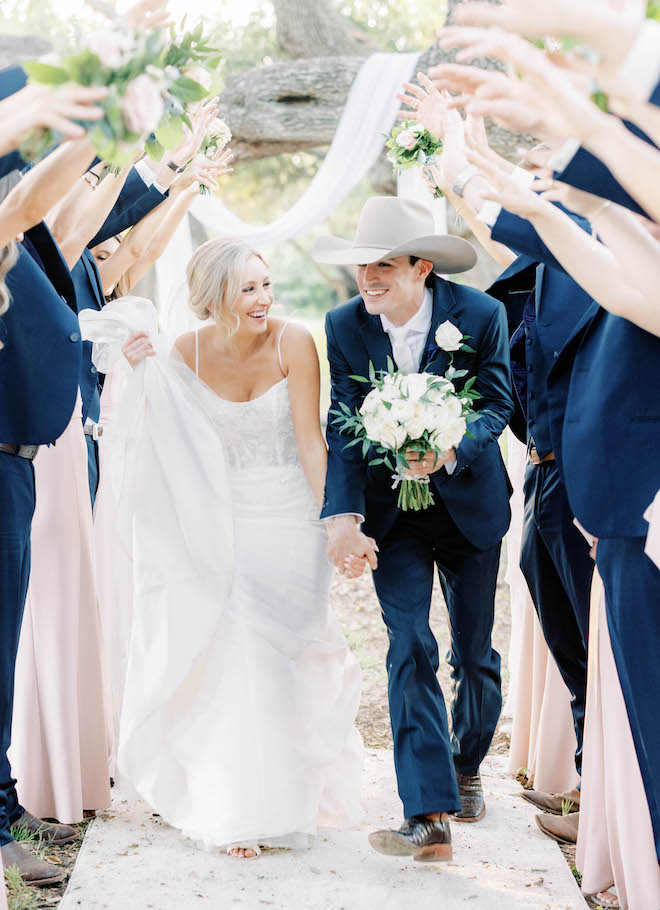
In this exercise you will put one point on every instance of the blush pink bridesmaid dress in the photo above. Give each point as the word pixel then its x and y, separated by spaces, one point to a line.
pixel 615 840
pixel 60 746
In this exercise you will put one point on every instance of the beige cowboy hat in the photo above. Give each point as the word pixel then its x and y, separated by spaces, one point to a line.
pixel 390 227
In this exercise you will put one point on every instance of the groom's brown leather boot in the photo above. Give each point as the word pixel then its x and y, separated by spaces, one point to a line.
pixel 33 871
pixel 473 807
pixel 427 840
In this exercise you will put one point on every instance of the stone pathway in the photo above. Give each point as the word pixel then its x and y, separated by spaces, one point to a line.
pixel 133 861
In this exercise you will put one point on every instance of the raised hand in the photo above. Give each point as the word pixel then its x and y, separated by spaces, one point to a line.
pixel 193 138
pixel 607 30
pixel 205 171
pixel 428 106
pixel 511 194
pixel 147 14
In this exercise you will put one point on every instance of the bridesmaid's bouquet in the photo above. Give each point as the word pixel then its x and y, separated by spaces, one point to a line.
pixel 419 412
pixel 148 90
pixel 215 140
pixel 410 145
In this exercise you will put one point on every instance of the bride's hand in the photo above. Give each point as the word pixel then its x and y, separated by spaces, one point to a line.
pixel 137 348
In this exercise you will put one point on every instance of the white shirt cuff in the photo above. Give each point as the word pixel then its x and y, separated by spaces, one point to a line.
pixel 360 518
pixel 641 67
pixel 489 213
pixel 561 159
pixel 148 176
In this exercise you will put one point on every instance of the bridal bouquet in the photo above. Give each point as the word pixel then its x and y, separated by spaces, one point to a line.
pixel 419 412
pixel 147 90
pixel 410 145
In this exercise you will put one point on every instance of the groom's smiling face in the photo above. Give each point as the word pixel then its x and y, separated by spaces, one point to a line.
pixel 393 287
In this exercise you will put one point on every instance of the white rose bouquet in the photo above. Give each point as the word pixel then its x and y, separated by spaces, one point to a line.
pixel 147 91
pixel 410 145
pixel 418 412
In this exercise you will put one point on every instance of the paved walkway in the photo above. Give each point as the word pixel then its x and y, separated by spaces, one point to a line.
pixel 133 861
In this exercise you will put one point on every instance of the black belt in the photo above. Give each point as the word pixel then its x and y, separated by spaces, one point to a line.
pixel 28 452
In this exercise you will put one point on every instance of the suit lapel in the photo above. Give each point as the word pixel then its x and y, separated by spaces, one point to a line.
pixel 94 277
pixel 434 359
pixel 377 342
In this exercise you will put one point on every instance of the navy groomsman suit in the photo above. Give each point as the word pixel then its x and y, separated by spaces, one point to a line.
pixel 135 201
pixel 461 535
pixel 554 557
pixel 39 372
pixel 610 448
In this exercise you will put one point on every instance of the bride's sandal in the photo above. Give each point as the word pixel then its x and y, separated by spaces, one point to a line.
pixel 246 851
pixel 608 899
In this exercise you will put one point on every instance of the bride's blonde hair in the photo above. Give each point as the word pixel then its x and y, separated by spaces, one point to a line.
pixel 8 257
pixel 214 276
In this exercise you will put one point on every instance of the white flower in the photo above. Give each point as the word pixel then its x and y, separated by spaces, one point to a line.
pixel 416 385
pixel 415 426
pixel 392 387
pixel 448 337
pixel 417 129
pixel 403 409
pixel 371 403
pixel 372 427
pixel 454 406
pixel 406 139
pixel 142 105
pixel 392 435
pixel 450 435
pixel 220 132
pixel 113 48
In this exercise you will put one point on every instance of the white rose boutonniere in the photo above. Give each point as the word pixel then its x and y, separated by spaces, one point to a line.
pixel 448 337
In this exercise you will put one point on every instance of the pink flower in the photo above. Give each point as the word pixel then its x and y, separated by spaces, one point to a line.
pixel 406 139
pixel 113 48
pixel 142 105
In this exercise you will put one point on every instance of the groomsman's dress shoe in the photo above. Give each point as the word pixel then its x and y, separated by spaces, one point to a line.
pixel 33 871
pixel 49 832
pixel 473 807
pixel 555 803
pixel 562 828
pixel 426 840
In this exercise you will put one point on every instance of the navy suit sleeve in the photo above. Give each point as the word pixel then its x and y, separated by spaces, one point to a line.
pixel 12 79
pixel 135 201
pixel 655 96
pixel 588 173
pixel 493 382
pixel 520 236
pixel 347 470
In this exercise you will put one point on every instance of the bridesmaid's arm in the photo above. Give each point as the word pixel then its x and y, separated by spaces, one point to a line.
pixel 301 364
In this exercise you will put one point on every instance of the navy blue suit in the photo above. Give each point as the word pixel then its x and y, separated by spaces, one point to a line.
pixel 554 557
pixel 587 172
pixel 12 79
pixel 39 370
pixel 135 201
pixel 461 535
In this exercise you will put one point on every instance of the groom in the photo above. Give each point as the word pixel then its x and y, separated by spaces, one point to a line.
pixel 401 304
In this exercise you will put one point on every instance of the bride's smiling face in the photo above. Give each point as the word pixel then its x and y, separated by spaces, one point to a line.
pixel 256 296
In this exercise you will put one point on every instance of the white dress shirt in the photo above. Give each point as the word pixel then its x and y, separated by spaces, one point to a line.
pixel 148 175
pixel 409 340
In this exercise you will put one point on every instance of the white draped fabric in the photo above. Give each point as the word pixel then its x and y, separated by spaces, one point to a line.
pixel 368 116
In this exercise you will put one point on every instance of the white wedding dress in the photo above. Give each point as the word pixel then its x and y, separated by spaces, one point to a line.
pixel 239 695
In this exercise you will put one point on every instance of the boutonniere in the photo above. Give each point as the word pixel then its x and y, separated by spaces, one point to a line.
pixel 450 338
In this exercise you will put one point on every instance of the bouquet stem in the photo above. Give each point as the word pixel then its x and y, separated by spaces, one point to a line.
pixel 415 495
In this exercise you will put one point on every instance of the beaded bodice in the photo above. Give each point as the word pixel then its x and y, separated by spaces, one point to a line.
pixel 258 433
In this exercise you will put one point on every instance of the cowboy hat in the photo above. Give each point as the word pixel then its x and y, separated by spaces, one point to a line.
pixel 390 227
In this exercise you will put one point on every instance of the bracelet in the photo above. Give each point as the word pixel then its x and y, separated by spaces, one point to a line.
pixel 468 172
pixel 178 169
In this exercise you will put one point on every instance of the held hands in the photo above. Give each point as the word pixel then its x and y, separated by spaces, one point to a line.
pixel 348 548
pixel 137 348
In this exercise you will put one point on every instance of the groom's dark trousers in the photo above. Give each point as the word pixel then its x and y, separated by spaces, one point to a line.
pixel 460 535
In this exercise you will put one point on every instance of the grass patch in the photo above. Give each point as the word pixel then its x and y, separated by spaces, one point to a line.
pixel 19 895
pixel 576 875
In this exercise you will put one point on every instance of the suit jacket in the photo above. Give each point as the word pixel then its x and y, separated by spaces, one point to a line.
pixel 12 79
pixel 135 201
pixel 586 172
pixel 40 360
pixel 477 494
pixel 560 306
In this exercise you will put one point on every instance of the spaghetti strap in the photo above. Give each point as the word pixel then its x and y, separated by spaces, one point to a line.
pixel 196 352
pixel 279 345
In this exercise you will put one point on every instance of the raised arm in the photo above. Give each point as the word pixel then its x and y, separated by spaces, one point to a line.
pixel 43 185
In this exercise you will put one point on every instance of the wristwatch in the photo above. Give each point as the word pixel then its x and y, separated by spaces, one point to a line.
pixel 177 168
pixel 468 172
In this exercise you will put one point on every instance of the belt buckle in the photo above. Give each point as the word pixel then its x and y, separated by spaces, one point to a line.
pixel 28 452
pixel 534 456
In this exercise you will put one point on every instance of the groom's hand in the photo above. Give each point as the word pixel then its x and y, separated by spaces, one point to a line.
pixel 421 465
pixel 345 540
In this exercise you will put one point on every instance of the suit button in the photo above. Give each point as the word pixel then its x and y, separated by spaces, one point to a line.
pixel 530 368
pixel 93 370
pixel 74 336
pixel 529 341
pixel 531 396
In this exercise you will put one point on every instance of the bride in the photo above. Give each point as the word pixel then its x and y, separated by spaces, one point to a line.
pixel 240 695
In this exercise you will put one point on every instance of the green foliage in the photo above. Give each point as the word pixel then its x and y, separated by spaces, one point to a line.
pixel 19 895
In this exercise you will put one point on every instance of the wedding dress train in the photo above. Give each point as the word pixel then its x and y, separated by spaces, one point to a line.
pixel 240 695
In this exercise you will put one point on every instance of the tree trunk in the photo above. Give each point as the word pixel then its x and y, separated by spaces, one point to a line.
pixel 314 28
